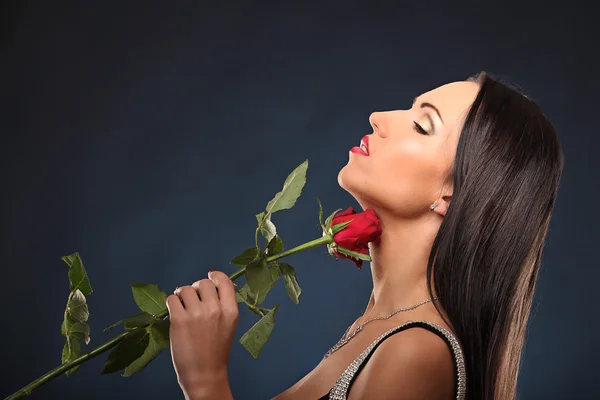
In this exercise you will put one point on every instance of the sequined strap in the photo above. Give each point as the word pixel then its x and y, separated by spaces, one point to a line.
pixel 340 390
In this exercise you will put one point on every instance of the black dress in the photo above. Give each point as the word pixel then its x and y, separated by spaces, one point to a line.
pixel 340 390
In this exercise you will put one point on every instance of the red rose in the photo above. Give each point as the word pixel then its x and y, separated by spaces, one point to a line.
pixel 363 228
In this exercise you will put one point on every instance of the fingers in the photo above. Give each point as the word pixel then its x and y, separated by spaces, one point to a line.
pixel 226 291
pixel 207 291
pixel 174 305
pixel 216 293
pixel 189 296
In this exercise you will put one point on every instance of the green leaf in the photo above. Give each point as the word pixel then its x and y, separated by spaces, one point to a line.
pixel 136 321
pixel 291 284
pixel 330 219
pixel 160 332
pixel 320 211
pixel 275 245
pixel 259 217
pixel 244 295
pixel 77 276
pixel 274 274
pixel 77 307
pixel 256 337
pixel 113 325
pixel 255 311
pixel 73 328
pixel 252 299
pixel 258 276
pixel 127 351
pixel 336 228
pixel 71 350
pixel 292 188
pixel 149 298
pixel 267 228
pixel 246 257
pixel 241 295
pixel 354 254
pixel 80 330
pixel 150 353
pixel 158 341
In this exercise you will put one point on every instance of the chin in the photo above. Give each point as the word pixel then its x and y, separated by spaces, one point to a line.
pixel 355 183
pixel 344 179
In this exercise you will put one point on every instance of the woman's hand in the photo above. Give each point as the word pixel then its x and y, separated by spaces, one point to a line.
pixel 202 332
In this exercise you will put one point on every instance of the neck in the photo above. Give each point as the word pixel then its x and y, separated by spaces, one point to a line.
pixel 399 264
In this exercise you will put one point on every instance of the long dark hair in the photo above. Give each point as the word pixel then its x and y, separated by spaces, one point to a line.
pixel 486 256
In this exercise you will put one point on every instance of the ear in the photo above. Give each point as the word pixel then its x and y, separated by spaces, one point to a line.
pixel 443 203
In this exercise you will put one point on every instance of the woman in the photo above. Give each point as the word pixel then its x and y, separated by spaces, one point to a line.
pixel 464 183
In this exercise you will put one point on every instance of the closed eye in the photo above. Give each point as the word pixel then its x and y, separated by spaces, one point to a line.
pixel 418 128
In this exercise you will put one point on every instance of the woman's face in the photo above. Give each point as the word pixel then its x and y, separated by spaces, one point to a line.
pixel 409 152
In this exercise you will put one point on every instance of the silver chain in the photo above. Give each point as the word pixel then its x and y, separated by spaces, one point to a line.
pixel 345 339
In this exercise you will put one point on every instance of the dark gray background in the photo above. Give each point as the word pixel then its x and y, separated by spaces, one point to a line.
pixel 147 135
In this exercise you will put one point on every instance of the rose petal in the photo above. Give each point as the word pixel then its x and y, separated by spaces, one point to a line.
pixel 348 211
pixel 363 229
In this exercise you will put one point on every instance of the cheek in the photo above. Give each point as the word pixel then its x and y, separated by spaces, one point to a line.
pixel 405 162
pixel 407 177
pixel 402 178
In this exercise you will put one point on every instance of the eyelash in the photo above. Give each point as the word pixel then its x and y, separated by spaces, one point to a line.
pixel 419 129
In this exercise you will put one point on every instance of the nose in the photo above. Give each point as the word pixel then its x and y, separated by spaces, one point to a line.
pixel 376 123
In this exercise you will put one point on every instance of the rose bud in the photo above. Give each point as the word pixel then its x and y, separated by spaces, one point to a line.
pixel 352 232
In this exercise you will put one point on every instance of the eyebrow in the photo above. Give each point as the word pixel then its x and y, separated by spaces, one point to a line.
pixel 423 105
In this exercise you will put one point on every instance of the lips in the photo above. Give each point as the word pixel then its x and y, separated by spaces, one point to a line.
pixel 364 144
pixel 363 149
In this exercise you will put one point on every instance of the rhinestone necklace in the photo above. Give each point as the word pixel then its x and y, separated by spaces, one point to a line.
pixel 345 339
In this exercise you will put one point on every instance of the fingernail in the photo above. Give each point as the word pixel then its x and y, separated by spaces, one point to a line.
pixel 211 278
pixel 176 290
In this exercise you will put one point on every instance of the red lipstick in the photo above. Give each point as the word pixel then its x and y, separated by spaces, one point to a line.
pixel 363 149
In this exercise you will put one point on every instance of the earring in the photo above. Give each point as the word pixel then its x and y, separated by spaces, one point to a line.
pixel 434 205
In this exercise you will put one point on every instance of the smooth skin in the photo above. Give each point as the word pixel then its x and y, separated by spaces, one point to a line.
pixel 409 153
pixel 203 323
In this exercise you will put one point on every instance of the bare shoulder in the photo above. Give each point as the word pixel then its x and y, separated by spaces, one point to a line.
pixel 409 365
